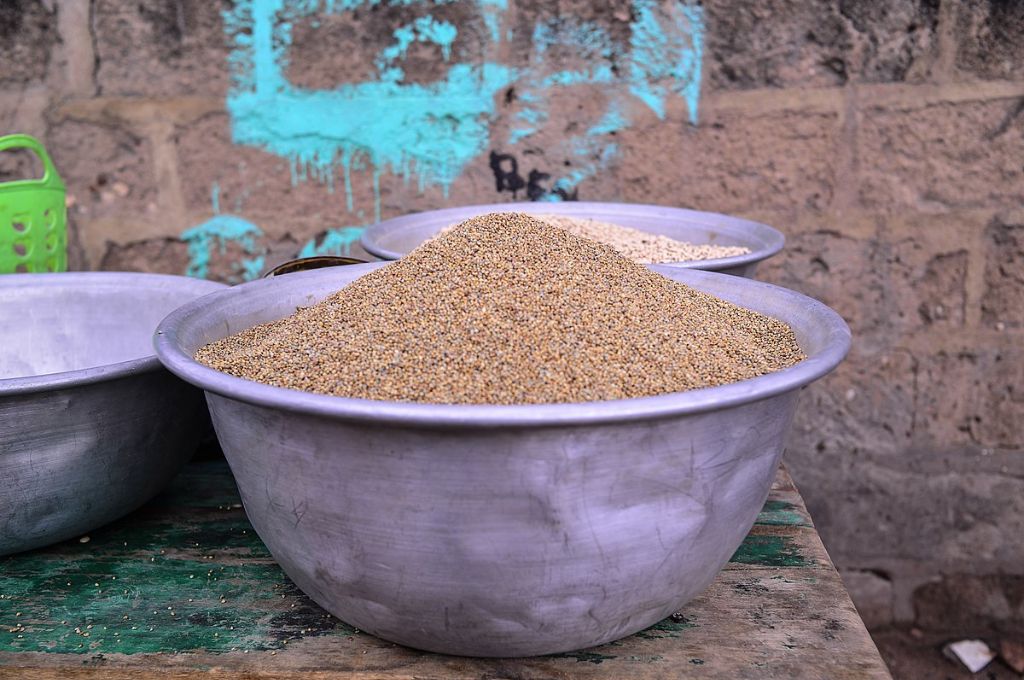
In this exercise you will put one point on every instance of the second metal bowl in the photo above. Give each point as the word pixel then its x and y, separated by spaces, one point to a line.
pixel 91 425
pixel 395 238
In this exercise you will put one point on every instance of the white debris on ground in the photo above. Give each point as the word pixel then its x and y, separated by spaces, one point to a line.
pixel 973 654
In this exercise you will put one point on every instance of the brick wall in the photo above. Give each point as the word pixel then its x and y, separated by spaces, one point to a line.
pixel 886 139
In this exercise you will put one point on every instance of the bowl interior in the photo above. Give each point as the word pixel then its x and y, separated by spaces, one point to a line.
pixel 55 323
pixel 395 238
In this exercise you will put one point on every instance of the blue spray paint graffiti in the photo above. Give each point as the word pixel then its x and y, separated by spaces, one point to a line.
pixel 425 30
pixel 666 51
pixel 664 59
pixel 216 235
pixel 434 130
pixel 332 242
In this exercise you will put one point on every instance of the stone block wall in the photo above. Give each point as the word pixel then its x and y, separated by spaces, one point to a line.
pixel 886 139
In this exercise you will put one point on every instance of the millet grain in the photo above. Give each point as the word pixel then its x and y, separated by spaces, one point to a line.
pixel 641 246
pixel 637 245
pixel 505 309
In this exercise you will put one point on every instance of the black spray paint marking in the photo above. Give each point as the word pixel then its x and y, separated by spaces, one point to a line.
pixel 507 178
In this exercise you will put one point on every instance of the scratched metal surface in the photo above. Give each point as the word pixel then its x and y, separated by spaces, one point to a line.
pixel 184 586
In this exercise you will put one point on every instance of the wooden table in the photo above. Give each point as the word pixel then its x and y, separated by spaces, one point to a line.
pixel 184 588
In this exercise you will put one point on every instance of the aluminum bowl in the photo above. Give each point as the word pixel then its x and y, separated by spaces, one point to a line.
pixel 91 425
pixel 499 530
pixel 395 238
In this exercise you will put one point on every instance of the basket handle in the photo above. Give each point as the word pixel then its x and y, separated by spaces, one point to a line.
pixel 50 177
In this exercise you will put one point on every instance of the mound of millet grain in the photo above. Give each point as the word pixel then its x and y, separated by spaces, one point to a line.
pixel 505 309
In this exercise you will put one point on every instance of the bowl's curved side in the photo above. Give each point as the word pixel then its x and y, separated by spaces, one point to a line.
pixel 395 238
pixel 505 542
pixel 74 459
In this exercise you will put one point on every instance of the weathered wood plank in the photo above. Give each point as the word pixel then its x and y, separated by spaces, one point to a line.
pixel 184 588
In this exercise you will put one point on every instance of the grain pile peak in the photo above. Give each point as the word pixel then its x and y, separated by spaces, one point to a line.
pixel 505 309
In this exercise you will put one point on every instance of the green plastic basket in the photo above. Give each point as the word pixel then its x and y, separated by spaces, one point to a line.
pixel 33 217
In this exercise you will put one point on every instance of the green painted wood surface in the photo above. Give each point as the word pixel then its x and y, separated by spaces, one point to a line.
pixel 185 583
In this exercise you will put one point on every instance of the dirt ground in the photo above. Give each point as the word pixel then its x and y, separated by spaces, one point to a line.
pixel 918 656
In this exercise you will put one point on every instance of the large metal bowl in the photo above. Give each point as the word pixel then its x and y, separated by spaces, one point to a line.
pixel 395 238
pixel 91 425
pixel 499 530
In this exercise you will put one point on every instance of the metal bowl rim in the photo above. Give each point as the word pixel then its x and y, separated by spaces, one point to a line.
pixel 95 374
pixel 775 239
pixel 461 416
